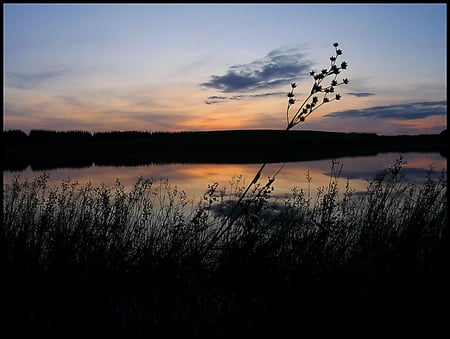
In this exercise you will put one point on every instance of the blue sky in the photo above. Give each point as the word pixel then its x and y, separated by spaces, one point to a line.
pixel 172 67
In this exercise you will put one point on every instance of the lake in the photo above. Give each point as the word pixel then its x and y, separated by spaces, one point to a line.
pixel 195 178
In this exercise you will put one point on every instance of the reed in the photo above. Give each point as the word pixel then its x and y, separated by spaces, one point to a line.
pixel 100 260
pixel 81 258
pixel 319 95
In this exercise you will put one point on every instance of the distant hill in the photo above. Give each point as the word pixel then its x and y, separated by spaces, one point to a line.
pixel 49 149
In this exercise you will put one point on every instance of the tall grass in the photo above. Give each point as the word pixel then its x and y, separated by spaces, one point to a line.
pixel 83 259
pixel 321 93
pixel 105 260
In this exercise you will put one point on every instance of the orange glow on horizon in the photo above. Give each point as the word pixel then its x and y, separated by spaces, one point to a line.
pixel 418 125
pixel 136 109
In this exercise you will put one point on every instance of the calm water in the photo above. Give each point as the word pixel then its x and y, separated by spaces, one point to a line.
pixel 195 178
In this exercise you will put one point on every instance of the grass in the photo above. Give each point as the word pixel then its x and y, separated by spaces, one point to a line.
pixel 320 95
pixel 84 259
pixel 98 260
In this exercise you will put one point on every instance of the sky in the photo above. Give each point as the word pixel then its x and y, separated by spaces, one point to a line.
pixel 197 67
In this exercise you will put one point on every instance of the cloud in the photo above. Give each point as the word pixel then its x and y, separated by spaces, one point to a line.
pixel 278 67
pixel 26 81
pixel 361 94
pixel 215 99
pixel 408 111
pixel 74 101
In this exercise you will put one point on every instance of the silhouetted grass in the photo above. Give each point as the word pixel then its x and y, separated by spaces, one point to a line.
pixel 84 259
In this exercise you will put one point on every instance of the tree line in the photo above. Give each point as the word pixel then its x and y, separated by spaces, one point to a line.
pixel 49 149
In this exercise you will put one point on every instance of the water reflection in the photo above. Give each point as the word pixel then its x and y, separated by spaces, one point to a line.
pixel 194 178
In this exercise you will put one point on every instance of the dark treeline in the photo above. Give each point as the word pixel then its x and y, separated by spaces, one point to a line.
pixel 45 149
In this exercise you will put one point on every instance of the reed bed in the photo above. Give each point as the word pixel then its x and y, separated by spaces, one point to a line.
pixel 84 259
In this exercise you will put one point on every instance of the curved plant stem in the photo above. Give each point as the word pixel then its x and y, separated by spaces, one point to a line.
pixel 309 105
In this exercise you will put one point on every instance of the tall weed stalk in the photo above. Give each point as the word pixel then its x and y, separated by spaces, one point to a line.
pixel 321 93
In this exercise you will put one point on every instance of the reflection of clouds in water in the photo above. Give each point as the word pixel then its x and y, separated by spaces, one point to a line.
pixel 366 167
pixel 360 170
pixel 195 178
pixel 412 175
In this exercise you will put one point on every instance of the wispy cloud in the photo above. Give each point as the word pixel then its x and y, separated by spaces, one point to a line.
pixel 158 121
pixel 215 99
pixel 27 80
pixel 361 94
pixel 278 67
pixel 408 111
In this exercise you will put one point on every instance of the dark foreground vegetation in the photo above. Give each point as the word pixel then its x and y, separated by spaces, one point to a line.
pixel 51 149
pixel 85 260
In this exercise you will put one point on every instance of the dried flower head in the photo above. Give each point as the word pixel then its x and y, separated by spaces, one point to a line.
pixel 311 103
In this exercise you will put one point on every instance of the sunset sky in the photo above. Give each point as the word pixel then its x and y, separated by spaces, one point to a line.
pixel 192 67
